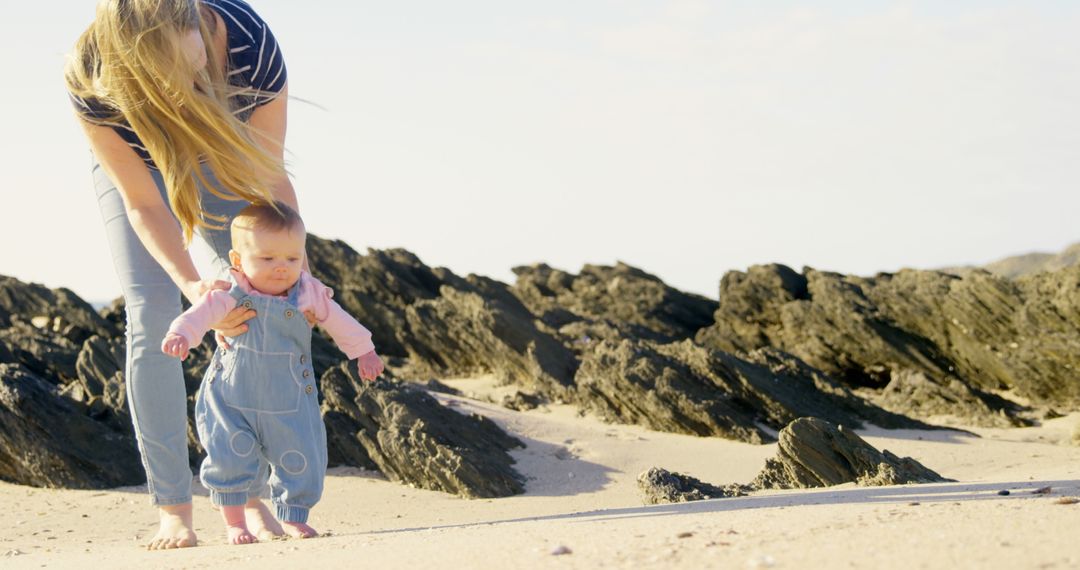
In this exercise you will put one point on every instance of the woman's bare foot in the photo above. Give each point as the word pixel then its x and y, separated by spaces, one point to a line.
pixel 175 529
pixel 261 521
pixel 299 530
pixel 235 526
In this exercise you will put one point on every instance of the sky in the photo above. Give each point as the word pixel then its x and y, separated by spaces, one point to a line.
pixel 684 137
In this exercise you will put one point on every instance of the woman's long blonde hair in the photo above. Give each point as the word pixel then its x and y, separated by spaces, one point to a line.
pixel 131 59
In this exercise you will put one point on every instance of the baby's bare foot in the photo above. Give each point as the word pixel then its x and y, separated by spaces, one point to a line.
pixel 261 521
pixel 174 529
pixel 240 535
pixel 299 530
pixel 235 526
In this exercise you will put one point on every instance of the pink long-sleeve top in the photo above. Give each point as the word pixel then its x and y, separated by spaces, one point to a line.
pixel 350 336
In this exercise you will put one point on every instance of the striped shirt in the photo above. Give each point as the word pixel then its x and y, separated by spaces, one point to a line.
pixel 256 67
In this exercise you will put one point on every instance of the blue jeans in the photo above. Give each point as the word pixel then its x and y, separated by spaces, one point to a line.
pixel 156 393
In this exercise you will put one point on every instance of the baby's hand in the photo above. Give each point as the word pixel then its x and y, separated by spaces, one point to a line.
pixel 175 345
pixel 370 366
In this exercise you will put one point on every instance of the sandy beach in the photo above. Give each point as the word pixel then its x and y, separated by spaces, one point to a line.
pixel 582 509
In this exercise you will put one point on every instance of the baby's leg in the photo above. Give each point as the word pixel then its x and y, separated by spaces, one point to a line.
pixel 232 459
pixel 236 525
pixel 296 448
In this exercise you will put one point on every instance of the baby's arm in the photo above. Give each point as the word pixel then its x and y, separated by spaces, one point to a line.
pixel 188 329
pixel 353 338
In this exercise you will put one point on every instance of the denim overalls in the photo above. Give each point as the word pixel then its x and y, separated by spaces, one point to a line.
pixel 259 398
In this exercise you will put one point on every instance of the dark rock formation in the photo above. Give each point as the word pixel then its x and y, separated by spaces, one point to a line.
pixel 815 453
pixel 683 387
pixel 812 453
pixel 987 332
pixel 659 486
pixel 464 333
pixel 101 380
pixel 444 324
pixel 58 309
pixel 46 441
pixel 411 438
pixel 951 401
pixel 639 304
pixel 521 401
pixel 43 352
pixel 377 288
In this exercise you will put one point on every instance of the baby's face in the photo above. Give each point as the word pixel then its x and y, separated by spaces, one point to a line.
pixel 272 261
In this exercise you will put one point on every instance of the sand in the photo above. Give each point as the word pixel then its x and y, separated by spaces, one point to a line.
pixel 582 509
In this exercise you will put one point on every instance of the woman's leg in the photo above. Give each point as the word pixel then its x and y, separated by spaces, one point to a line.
pixel 155 382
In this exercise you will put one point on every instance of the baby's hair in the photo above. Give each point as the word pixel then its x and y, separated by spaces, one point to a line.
pixel 265 216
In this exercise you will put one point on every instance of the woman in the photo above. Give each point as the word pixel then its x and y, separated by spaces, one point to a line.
pixel 184 105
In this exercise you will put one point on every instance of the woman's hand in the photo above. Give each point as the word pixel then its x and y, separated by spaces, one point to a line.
pixel 194 290
pixel 233 323
pixel 370 366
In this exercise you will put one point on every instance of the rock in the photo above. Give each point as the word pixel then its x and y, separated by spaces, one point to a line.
pixel 685 388
pixel 47 354
pixel 815 453
pixel 46 441
pixel 987 332
pixel 912 393
pixel 444 324
pixel 521 401
pixel 463 333
pixel 376 288
pixel 66 314
pixel 561 550
pixel 100 367
pixel 659 486
pixel 411 438
pixel 640 303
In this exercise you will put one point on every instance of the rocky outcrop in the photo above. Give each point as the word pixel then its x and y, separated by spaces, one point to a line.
pixel 659 486
pixel 464 333
pixel 58 310
pixel 1025 264
pixel 639 304
pixel 100 383
pixel 47 441
pixel 987 332
pixel 443 324
pixel 685 388
pixel 411 438
pixel 951 402
pixel 811 453
pixel 816 453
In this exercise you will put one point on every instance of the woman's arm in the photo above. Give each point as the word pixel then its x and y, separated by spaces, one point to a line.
pixel 269 123
pixel 148 213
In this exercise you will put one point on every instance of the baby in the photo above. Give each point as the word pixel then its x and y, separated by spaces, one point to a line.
pixel 258 397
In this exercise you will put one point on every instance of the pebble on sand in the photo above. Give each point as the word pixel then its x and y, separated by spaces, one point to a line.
pixel 560 550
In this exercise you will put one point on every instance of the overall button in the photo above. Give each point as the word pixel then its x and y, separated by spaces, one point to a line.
pixel 309 389
pixel 307 373
pixel 303 359
pixel 247 303
pixel 288 313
